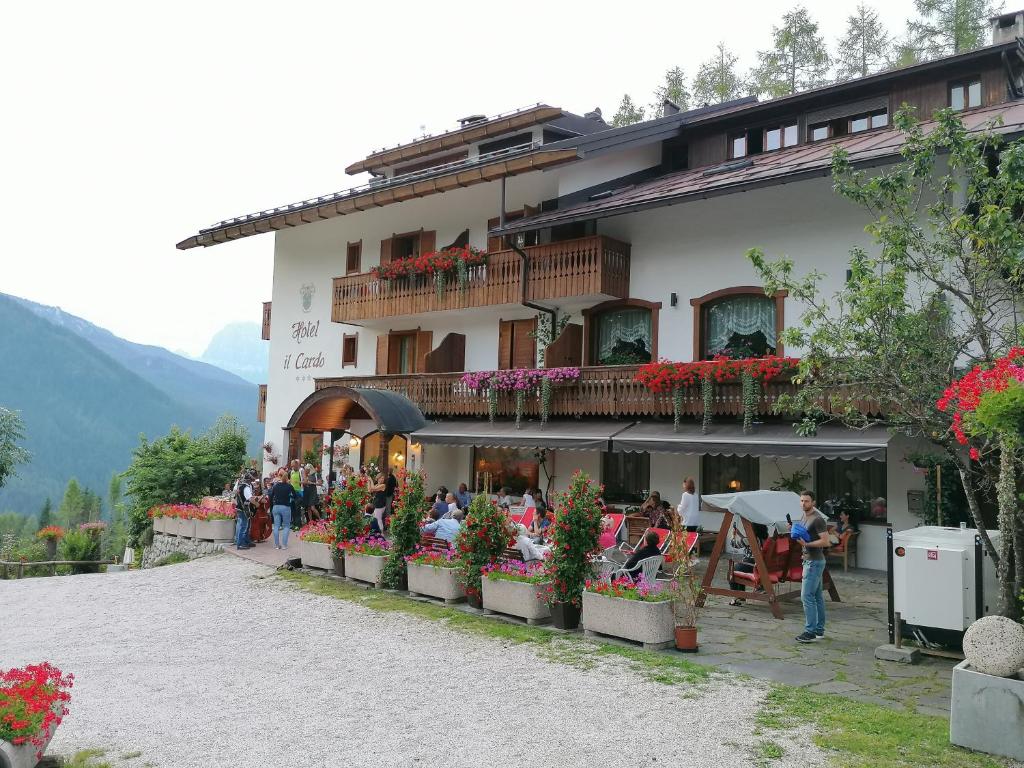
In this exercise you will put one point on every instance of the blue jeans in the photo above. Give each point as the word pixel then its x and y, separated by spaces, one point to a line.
pixel 813 597
pixel 282 523
pixel 241 531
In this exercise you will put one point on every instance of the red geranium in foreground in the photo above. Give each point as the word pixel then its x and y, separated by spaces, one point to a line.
pixel 33 700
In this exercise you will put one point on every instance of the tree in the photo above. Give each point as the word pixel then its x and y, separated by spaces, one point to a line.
pixel 574 541
pixel 951 26
pixel 938 293
pixel 673 89
pixel 11 454
pixel 798 60
pixel 716 79
pixel 905 52
pixel 628 112
pixel 73 507
pixel 865 48
pixel 179 468
pixel 46 513
pixel 410 507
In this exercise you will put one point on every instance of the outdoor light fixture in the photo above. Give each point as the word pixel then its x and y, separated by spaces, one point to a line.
pixel 734 484
pixel 673 299
pixel 354 442
pixel 415 446
pixel 398 456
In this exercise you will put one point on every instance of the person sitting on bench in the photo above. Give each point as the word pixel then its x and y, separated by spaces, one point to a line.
pixel 747 564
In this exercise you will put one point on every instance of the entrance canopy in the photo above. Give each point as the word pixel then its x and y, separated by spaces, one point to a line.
pixel 762 507
pixel 831 442
pixel 331 407
pixel 568 435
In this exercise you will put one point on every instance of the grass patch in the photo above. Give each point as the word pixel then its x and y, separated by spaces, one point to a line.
pixel 564 649
pixel 862 735
pixel 769 750
pixel 840 676
pixel 88 758
pixel 131 755
pixel 172 559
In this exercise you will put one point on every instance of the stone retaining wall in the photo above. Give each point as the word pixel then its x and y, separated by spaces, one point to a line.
pixel 164 545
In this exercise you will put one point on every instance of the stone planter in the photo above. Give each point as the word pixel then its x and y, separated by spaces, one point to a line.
pixel 364 567
pixel 159 525
pixel 183 528
pixel 515 598
pixel 651 624
pixel 987 712
pixel 215 530
pixel 435 582
pixel 23 756
pixel 315 554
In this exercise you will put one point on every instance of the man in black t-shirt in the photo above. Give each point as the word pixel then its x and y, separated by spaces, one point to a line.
pixel 811 592
pixel 649 549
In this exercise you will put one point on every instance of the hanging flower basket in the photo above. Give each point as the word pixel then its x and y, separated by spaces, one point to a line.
pixel 438 266
pixel 523 383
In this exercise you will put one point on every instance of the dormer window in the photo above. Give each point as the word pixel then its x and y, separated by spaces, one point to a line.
pixel 861 123
pixel 777 138
pixel 965 94
pixel 737 145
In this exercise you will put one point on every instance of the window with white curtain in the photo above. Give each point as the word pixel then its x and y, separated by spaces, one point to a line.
pixel 739 326
pixel 623 336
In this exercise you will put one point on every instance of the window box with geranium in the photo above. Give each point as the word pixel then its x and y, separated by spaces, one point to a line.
pixel 512 589
pixel 365 557
pixel 316 542
pixel 483 537
pixel 433 573
pixel 33 701
pixel 522 383
pixel 635 611
pixel 50 536
pixel 441 267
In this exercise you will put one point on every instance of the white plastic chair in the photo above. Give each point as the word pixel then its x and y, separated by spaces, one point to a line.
pixel 649 568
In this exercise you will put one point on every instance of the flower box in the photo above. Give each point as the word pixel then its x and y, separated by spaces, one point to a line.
pixel 650 623
pixel 215 530
pixel 434 581
pixel 987 712
pixel 25 755
pixel 364 567
pixel 159 524
pixel 515 598
pixel 315 554
pixel 186 528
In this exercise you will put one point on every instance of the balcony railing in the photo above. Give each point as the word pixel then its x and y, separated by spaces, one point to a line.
pixel 595 266
pixel 266 321
pixel 261 404
pixel 600 391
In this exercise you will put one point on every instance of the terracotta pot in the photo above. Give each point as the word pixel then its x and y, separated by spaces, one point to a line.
pixel 565 615
pixel 339 563
pixel 686 639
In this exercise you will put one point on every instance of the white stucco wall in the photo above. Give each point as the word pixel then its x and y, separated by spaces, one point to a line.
pixel 588 173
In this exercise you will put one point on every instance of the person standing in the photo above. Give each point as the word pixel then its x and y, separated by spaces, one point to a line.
pixel 282 498
pixel 243 512
pixel 390 488
pixel 689 509
pixel 812 533
pixel 295 477
pixel 380 502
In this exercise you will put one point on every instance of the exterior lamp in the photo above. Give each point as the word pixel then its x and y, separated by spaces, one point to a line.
pixel 734 485
pixel 398 457
pixel 354 442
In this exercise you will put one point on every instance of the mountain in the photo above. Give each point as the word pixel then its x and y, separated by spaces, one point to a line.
pixel 238 348
pixel 85 396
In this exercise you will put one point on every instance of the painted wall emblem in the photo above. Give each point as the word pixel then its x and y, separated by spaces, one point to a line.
pixel 306 292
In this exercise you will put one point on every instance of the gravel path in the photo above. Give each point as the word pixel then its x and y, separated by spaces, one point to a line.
pixel 218 663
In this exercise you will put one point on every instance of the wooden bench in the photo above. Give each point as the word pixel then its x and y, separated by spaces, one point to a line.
pixel 434 543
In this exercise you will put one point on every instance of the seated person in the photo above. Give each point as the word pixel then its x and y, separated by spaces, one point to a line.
pixel 441 527
pixel 650 548
pixel 607 540
pixel 462 496
pixel 846 523
pixel 539 526
pixel 528 499
pixel 667 513
pixel 651 509
pixel 747 564
pixel 525 545
pixel 538 499
pixel 439 500
pixel 453 504
pixel 504 500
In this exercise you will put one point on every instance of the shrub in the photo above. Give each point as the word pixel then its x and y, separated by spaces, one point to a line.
pixel 410 507
pixel 80 545
pixel 345 508
pixel 575 534
pixel 27 551
pixel 32 699
pixel 484 535
pixel 172 559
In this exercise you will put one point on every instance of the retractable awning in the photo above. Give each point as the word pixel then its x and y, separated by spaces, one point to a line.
pixel 565 435
pixel 831 442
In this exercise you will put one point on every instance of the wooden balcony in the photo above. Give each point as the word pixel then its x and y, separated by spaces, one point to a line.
pixel 600 391
pixel 266 321
pixel 594 266
pixel 261 404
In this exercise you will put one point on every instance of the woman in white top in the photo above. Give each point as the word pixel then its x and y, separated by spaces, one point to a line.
pixel 689 509
pixel 528 500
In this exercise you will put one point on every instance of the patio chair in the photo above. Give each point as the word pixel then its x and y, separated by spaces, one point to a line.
pixel 618 523
pixel 649 568
pixel 636 526
pixel 846 547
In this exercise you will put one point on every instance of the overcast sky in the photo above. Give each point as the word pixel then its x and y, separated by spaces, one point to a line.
pixel 129 126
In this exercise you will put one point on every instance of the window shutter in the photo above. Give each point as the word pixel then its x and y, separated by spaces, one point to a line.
pixel 424 343
pixel 428 241
pixel 382 354
pixel 504 344
pixel 493 243
pixel 385 250
pixel 524 346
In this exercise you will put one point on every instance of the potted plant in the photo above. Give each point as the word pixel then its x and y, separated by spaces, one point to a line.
pixel 214 524
pixel 345 508
pixel 33 701
pixel 636 611
pixel 316 543
pixel 410 507
pixel 50 535
pixel 433 572
pixel 365 557
pixel 685 589
pixel 574 542
pixel 483 537
pixel 511 588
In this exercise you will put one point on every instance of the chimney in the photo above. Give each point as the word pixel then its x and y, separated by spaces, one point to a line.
pixel 464 121
pixel 669 107
pixel 1007 27
pixel 595 115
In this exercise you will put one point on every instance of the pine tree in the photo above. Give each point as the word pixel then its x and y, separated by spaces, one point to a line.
pixel 716 79
pixel 905 52
pixel 46 513
pixel 628 112
pixel 797 61
pixel 951 26
pixel 71 511
pixel 865 46
pixel 674 89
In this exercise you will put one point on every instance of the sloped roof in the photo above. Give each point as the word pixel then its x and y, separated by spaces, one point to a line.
pixel 769 168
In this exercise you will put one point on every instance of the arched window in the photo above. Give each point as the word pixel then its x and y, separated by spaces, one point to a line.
pixel 738 322
pixel 622 332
